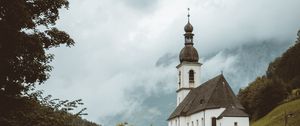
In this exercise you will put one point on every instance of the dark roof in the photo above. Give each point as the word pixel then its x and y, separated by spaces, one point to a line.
pixel 233 112
pixel 215 93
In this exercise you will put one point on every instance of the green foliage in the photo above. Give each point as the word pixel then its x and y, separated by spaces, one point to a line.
pixel 266 92
pixel 296 92
pixel 23 58
pixel 262 96
pixel 27 31
pixel 287 66
pixel 276 116
pixel 43 111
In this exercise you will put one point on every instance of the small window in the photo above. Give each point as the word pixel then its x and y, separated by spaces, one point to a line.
pixel 187 124
pixel 179 79
pixel 214 121
pixel 197 123
pixel 235 124
pixel 192 123
pixel 201 101
pixel 191 76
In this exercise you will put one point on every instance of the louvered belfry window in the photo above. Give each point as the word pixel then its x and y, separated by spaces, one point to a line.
pixel 191 76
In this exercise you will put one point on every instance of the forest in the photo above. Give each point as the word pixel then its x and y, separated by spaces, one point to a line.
pixel 280 84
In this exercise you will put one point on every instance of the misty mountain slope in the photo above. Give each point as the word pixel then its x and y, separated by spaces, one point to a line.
pixel 243 64
pixel 240 65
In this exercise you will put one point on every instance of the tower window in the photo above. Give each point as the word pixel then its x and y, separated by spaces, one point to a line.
pixel 179 79
pixel 191 76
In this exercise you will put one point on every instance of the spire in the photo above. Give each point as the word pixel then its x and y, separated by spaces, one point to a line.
pixel 188 15
pixel 188 53
pixel 188 27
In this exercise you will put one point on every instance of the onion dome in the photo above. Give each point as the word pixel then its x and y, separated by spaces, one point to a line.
pixel 188 53
pixel 188 27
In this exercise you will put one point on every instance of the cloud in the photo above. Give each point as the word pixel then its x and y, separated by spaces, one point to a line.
pixel 141 5
pixel 125 55
pixel 241 65
pixel 166 60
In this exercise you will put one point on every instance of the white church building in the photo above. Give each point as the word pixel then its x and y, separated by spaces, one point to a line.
pixel 212 103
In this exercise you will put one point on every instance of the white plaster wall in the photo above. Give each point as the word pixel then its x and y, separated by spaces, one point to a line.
pixel 193 118
pixel 184 80
pixel 181 95
pixel 185 68
pixel 229 121
pixel 209 114
pixel 206 115
pixel 174 122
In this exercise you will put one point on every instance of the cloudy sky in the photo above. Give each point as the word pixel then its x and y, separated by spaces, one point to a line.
pixel 123 63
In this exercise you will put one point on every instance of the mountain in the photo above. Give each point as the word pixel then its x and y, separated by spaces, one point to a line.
pixel 276 86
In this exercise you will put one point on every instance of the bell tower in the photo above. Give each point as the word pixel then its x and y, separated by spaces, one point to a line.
pixel 189 67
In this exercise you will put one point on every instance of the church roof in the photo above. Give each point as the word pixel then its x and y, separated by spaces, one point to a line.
pixel 214 93
pixel 233 112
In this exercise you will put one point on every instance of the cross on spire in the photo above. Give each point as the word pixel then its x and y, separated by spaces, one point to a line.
pixel 188 15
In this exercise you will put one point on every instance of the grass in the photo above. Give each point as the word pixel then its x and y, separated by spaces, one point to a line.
pixel 276 116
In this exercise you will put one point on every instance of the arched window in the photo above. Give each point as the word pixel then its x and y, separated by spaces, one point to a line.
pixel 191 76
pixel 213 121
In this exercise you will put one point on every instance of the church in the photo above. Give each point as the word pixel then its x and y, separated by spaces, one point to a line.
pixel 212 103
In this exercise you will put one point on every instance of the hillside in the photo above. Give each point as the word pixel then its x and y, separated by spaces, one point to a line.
pixel 266 92
pixel 276 116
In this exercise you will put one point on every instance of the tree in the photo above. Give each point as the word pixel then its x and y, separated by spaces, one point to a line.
pixel 26 32
pixel 262 95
